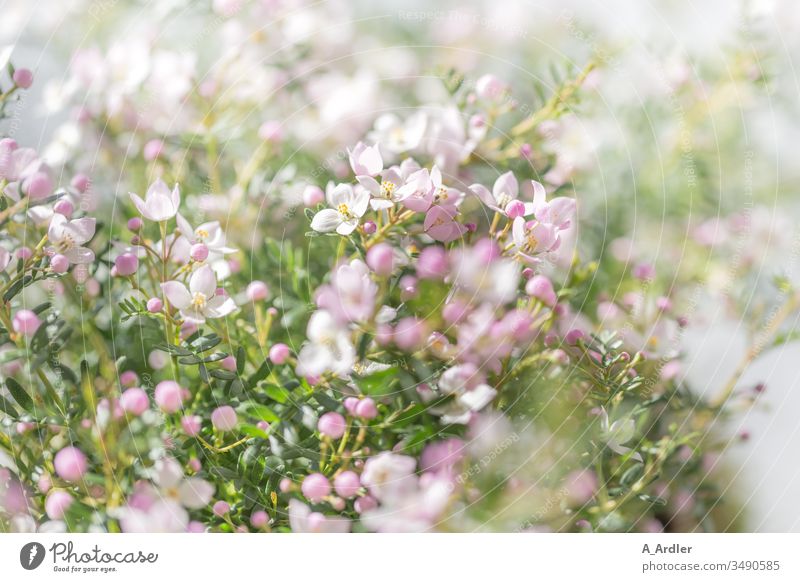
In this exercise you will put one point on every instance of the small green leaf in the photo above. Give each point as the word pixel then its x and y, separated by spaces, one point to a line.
pixel 19 394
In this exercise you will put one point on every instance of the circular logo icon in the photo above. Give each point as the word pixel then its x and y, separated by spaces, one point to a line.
pixel 31 555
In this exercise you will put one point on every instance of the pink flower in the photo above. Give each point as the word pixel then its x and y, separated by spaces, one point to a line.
pixel 26 322
pixel 351 294
pixel 440 224
pixel 70 464
pixel 541 288
pixel 365 160
pixel 66 237
pixel 169 396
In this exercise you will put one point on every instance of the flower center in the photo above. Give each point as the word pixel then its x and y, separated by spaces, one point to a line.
pixel 199 300
pixel 387 189
pixel 503 200
pixel 66 243
pixel 344 210
pixel 441 194
pixel 201 233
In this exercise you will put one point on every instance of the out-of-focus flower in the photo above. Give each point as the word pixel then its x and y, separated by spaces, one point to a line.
pixel 303 520
pixel 329 348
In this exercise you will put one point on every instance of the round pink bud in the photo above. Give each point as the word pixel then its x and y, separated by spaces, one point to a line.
pixel 409 333
pixel 152 149
pixel 515 209
pixel 64 207
pixel 194 464
pixel 26 322
pixel 369 227
pixel 221 508
pixel 257 291
pixel 489 87
pixel 45 483
pixel 191 425
pixel 154 305
pixel 23 78
pixel 59 264
pixel 70 464
pixel 259 519
pixel 279 354
pixel 195 527
pixel 126 264
pixel 316 487
pixel 350 404
pixel 128 378
pixel 198 252
pixel 366 503
pixel 285 485
pixel 525 150
pixel 57 504
pixel 347 484
pixel 541 288
pixel 271 131
pixel 380 259
pixel 224 418
pixel 664 303
pixel 38 186
pixel 169 396
pixel 573 336
pixel 432 263
pixel 135 224
pixel 332 424
pixel 527 273
pixel 262 425
pixel 229 363
pixel 313 195
pixel 80 182
pixel 366 409
pixel 337 503
pixel 644 271
pixel 134 401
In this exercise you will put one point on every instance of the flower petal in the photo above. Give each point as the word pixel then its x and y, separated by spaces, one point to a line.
pixel 326 220
pixel 203 281
pixel 195 493
pixel 177 294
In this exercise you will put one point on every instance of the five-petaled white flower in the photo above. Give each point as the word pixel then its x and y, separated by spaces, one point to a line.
pixel 505 191
pixel 348 205
pixel 67 238
pixel 208 233
pixel 365 160
pixel 329 348
pixel 200 301
pixel 159 204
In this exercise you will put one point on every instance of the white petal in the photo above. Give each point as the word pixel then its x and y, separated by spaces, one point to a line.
pixel 79 255
pixel 140 204
pixel 326 220
pixel 346 227
pixel 177 294
pixel 167 473
pixel 195 493
pixel 203 281
pixel 220 306
pixel 81 229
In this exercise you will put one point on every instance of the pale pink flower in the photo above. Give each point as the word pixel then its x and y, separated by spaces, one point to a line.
pixel 365 160
pixel 347 204
pixel 200 301
pixel 303 520
pixel 68 236
pixel 351 294
pixel 159 204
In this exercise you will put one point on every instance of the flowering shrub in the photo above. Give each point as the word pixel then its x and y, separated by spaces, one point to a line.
pixel 427 346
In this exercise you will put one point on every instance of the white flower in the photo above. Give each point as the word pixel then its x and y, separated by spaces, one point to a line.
pixel 365 160
pixel 208 233
pixel 303 520
pixel 200 301
pixel 399 136
pixel 67 238
pixel 617 433
pixel 329 348
pixel 470 394
pixel 159 204
pixel 347 206
pixel 417 511
pixel 389 476
pixel 504 191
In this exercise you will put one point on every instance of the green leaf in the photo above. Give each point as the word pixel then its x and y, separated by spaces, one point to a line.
pixel 261 412
pixel 378 383
pixel 19 394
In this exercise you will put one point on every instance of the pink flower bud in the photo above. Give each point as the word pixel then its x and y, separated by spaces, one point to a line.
pixel 347 484
pixel 126 264
pixel 489 87
pixel 154 305
pixel 26 322
pixel 198 252
pixel 195 527
pixel 541 288
pixel 410 333
pixel 259 519
pixel 573 336
pixel 169 396
pixel 23 253
pixel 135 224
pixel 224 418
pixel 313 195
pixel 279 354
pixel 59 264
pixel 23 78
pixel 70 464
pixel 285 485
pixel 271 131
pixel 134 401
pixel 664 303
pixel 644 271
pixel 350 404
pixel 262 425
pixel 380 259
pixel 316 487
pixel 331 424
pixel 366 503
pixel 195 464
pixel 80 182
pixel 57 504
pixel 525 150
pixel 152 149
pixel 221 508
pixel 257 291
pixel 515 209
pixel 191 425
pixel 432 263
pixel 366 409
pixel 369 227
pixel 39 186
pixel 229 363
pixel 64 207
pixel 129 378
pixel 45 483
